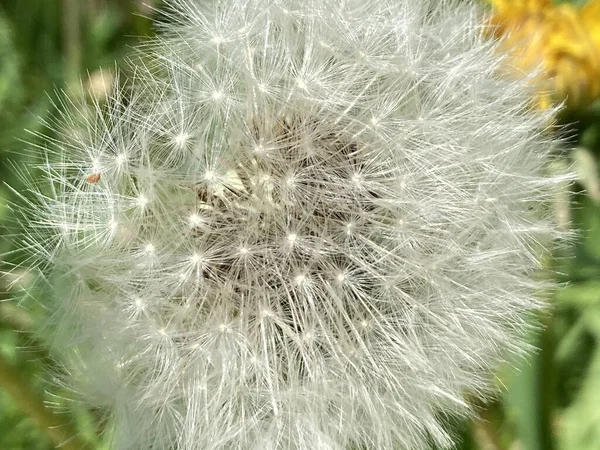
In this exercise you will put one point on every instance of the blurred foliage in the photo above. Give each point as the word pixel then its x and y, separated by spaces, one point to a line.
pixel 46 46
pixel 550 401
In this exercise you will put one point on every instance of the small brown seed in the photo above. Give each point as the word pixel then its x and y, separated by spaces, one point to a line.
pixel 93 178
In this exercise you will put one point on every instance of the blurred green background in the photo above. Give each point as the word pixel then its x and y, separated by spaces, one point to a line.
pixel 551 401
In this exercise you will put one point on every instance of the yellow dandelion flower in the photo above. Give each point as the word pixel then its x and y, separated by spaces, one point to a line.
pixel 590 16
pixel 561 40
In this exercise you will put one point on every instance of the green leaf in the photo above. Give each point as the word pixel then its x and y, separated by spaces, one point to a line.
pixel 581 295
pixel 530 395
pixel 580 422
pixel 587 217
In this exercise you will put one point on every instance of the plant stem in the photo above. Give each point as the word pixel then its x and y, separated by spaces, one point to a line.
pixel 72 38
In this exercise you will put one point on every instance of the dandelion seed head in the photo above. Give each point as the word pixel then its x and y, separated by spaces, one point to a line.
pixel 142 200
pixel 328 219
pixel 217 40
pixel 120 159
pixel 113 225
pixel 195 219
pixel 210 175
pixel 218 95
pixel 300 279
pixel 181 139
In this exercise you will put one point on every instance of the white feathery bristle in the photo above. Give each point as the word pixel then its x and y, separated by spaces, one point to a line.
pixel 308 224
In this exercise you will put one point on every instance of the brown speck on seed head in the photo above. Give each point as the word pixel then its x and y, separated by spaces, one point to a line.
pixel 93 178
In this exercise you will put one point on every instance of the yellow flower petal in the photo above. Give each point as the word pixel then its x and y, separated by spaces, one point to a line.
pixel 561 40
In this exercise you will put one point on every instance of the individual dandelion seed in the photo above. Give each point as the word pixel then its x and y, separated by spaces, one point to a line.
pixel 317 228
pixel 93 178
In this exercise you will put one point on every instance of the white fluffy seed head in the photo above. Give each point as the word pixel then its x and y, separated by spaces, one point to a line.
pixel 310 225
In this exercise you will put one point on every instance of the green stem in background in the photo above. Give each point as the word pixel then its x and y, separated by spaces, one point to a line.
pixel 57 431
pixel 530 395
pixel 546 381
pixel 92 7
pixel 72 39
